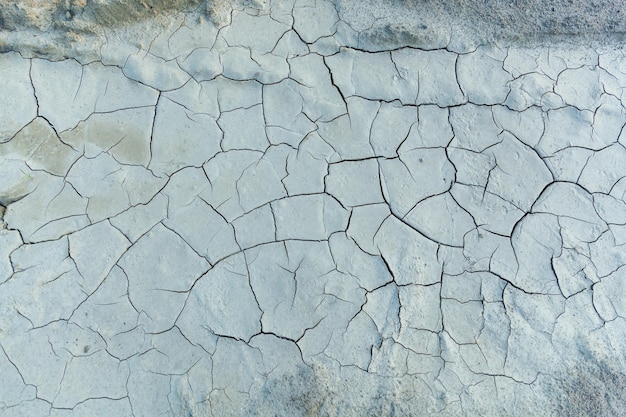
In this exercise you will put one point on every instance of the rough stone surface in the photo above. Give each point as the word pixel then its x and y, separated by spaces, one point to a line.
pixel 312 207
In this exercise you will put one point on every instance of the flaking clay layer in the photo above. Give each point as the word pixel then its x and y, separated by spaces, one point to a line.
pixel 309 208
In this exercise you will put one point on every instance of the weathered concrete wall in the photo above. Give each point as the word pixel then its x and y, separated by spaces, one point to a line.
pixel 311 208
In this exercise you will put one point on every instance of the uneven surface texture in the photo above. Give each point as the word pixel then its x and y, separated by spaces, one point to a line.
pixel 254 217
pixel 86 29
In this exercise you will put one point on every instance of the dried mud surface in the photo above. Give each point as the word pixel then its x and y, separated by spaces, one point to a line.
pixel 78 29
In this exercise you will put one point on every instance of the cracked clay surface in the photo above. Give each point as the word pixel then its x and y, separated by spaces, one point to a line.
pixel 264 217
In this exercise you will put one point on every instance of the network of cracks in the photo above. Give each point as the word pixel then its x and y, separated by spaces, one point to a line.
pixel 258 220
